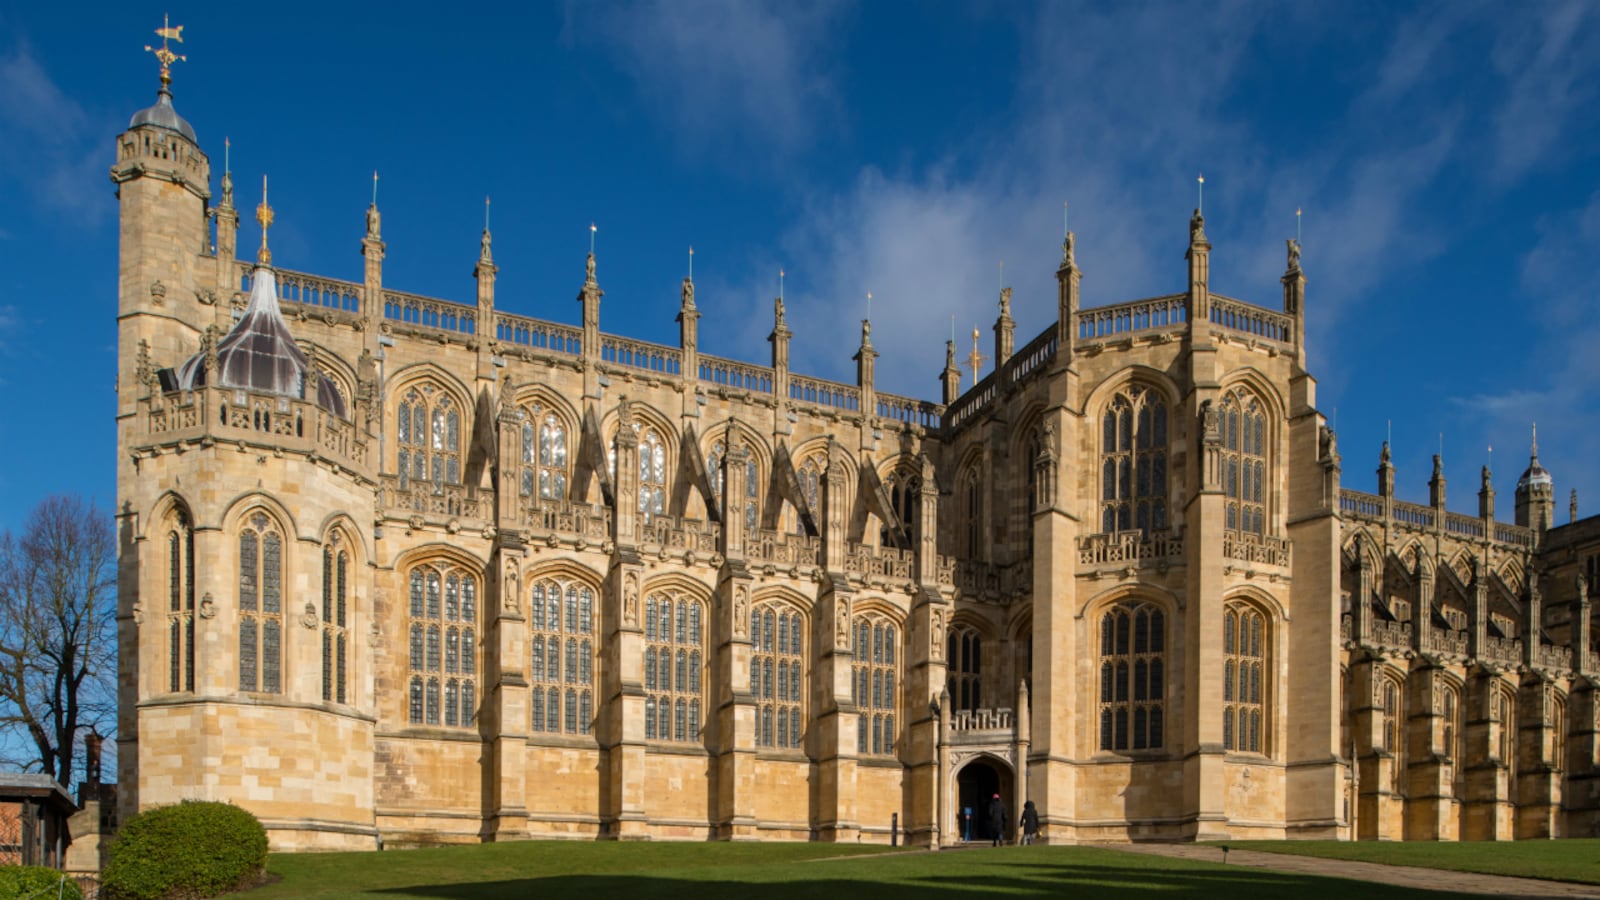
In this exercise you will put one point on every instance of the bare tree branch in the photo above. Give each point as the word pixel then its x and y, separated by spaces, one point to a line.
pixel 58 648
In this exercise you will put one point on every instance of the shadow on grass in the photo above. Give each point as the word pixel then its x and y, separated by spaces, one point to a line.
pixel 1013 878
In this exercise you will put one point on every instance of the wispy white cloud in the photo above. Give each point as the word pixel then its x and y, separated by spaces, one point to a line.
pixel 50 146
pixel 1549 57
pixel 747 71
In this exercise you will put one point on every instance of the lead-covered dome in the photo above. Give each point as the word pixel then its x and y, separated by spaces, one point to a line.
pixel 163 115
pixel 259 354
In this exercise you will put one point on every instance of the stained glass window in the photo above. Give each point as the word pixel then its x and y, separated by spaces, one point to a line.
pixel 260 606
pixel 776 674
pixel 674 680
pixel 442 646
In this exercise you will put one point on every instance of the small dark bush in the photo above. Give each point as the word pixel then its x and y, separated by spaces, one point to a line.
pixel 190 850
pixel 19 882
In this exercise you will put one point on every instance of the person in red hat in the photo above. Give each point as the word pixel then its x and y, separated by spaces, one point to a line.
pixel 997 820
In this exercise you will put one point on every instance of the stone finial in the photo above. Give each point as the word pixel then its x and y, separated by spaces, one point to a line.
pixel 1197 228
pixel 1068 258
pixel 1294 254
pixel 687 293
pixel 1005 303
pixel 1572 509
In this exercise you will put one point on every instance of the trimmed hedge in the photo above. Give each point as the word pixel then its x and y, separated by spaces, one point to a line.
pixel 31 882
pixel 194 849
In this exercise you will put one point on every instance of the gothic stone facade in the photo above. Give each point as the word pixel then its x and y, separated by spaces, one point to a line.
pixel 524 579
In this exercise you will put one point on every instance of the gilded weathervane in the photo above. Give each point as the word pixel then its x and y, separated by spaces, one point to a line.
pixel 167 32
pixel 264 216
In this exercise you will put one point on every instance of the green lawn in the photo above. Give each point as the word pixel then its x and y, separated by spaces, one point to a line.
pixel 706 871
pixel 1564 860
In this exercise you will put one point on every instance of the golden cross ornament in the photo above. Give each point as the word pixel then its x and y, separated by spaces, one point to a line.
pixel 976 358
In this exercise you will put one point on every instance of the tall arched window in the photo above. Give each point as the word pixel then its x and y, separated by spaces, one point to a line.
pixel 561 649
pixel 1132 677
pixel 180 603
pixel 902 488
pixel 810 476
pixel 443 645
pixel 964 657
pixel 1030 464
pixel 335 618
pixel 873 688
pixel 1451 741
pixel 1392 700
pixel 544 456
pixel 1133 462
pixel 972 512
pixel 1244 462
pixel 674 647
pixel 652 475
pixel 430 438
pixel 1558 734
pixel 752 488
pixel 777 674
pixel 1244 649
pixel 1505 715
pixel 260 606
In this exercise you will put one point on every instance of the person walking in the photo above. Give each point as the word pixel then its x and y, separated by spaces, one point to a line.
pixel 1030 822
pixel 997 820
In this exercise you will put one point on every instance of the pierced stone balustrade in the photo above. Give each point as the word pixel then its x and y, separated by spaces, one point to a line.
pixel 1125 548
pixel 1255 548
pixel 1553 657
pixel 880 562
pixel 968 720
pixel 670 533
pixel 573 521
pixel 783 549
pixel 273 421
pixel 1445 641
pixel 434 503
pixel 1391 635
pixel 1506 651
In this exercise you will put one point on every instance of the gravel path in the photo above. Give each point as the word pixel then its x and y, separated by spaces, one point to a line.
pixel 1404 876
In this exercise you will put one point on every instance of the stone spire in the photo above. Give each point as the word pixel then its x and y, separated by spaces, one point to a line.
pixel 1068 279
pixel 1199 256
pixel 951 376
pixel 1486 495
pixel 1436 483
pixel 1385 472
pixel 1005 330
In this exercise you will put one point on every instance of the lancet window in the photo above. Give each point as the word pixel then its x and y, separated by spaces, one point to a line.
pixel 1244 462
pixel 652 475
pixel 810 476
pixel 964 657
pixel 544 456
pixel 1030 461
pixel 776 675
pixel 1391 700
pixel 674 638
pixel 1133 462
pixel 260 606
pixel 1132 677
pixel 429 426
pixel 561 649
pixel 443 646
pixel 901 486
pixel 180 603
pixel 752 499
pixel 1451 740
pixel 1244 669
pixel 972 512
pixel 335 619
pixel 873 687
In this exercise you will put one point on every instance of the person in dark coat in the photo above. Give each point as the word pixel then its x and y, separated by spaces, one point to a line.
pixel 997 820
pixel 1030 822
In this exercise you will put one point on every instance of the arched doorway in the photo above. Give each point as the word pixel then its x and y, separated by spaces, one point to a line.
pixel 976 784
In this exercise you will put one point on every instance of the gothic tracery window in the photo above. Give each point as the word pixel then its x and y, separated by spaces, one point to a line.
pixel 972 512
pixel 561 650
pixel 1132 677
pixel 544 456
pixel 777 675
pixel 180 603
pixel 1133 462
pixel 964 657
pixel 1244 462
pixel 810 476
pixel 873 686
pixel 674 638
pixel 429 431
pixel 1244 649
pixel 335 619
pixel 443 646
pixel 902 488
pixel 652 475
pixel 752 487
pixel 1391 700
pixel 260 606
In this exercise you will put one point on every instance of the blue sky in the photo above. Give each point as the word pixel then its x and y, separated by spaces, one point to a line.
pixel 1447 158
